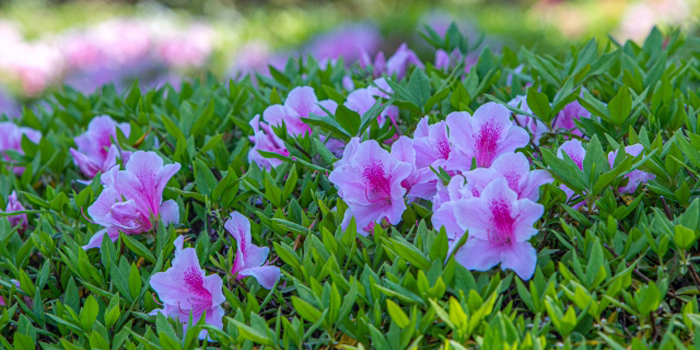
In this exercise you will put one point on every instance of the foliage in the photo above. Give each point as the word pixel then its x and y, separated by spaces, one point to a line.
pixel 617 272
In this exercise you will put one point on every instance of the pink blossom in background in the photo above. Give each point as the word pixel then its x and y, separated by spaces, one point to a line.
pixel 250 259
pixel 12 140
pixel 641 16
pixel 421 182
pixel 361 100
pixel 349 42
pixel 14 205
pixel 96 152
pixel 255 57
pixel 635 177
pixel 8 105
pixel 574 149
pixel 133 198
pixel 264 139
pixel 442 59
pixel 485 136
pixel 499 226
pixel 186 290
pixel 402 59
pixel 535 126
pixel 348 84
pixel 515 168
pixel 565 118
pixel 190 47
pixel 378 65
pixel 300 103
pixel 368 179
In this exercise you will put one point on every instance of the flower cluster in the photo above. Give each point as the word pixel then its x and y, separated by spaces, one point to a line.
pixel 185 289
pixel 375 184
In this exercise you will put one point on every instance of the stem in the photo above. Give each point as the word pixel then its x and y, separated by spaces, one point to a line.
pixel 666 209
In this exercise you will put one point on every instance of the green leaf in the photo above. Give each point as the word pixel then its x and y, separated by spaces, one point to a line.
pixel 620 106
pixel 539 104
pixel 397 315
pixel 683 237
pixel 348 119
pixel 305 310
pixel 419 86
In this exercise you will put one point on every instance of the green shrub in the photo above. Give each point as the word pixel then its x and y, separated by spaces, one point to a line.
pixel 614 270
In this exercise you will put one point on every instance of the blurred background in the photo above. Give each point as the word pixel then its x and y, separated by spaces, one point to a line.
pixel 48 44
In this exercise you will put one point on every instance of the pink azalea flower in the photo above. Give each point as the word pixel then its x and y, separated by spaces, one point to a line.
pixel 565 118
pixel 369 179
pixel 485 136
pixel 348 41
pixel 515 168
pixel 421 182
pixel 186 290
pixel 27 300
pixel 635 177
pixel 264 139
pixel 574 149
pixel 348 84
pixel 402 59
pixel 133 198
pixel 444 204
pixel 500 226
pixel 378 65
pixel 96 152
pixel 13 205
pixel 361 100
pixel 432 144
pixel 300 102
pixel 12 140
pixel 445 61
pixel 442 59
pixel 250 259
pixel 535 126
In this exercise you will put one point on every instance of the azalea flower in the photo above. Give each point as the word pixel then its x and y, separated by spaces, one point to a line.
pixel 348 41
pixel 300 103
pixel 12 140
pixel 635 177
pixel 485 136
pixel 250 259
pixel 442 59
pixel 421 182
pixel 444 205
pixel 369 179
pixel 96 152
pixel 361 100
pixel 186 290
pixel 515 168
pixel 14 205
pixel 132 199
pixel 565 118
pixel 499 226
pixel 402 59
pixel 432 144
pixel 574 149
pixel 264 139
pixel 535 126
pixel 397 64
pixel 378 65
